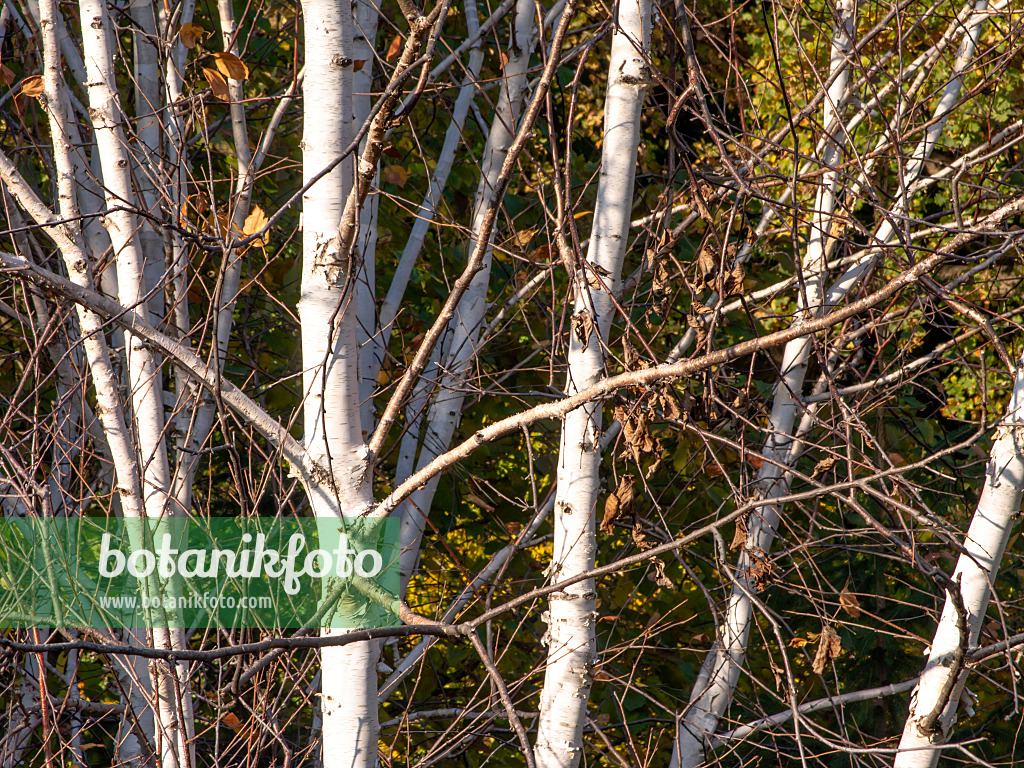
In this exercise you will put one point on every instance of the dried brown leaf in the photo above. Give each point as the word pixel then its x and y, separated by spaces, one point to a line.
pixel 739 538
pixel 823 466
pixel 32 86
pixel 669 406
pixel 659 576
pixel 358 64
pixel 523 237
pixel 850 603
pixel 734 281
pixel 540 255
pixel 760 570
pixel 395 174
pixel 394 49
pixel 6 75
pixel 218 84
pixel 662 277
pixel 829 647
pixel 706 262
pixel 779 674
pixel 640 538
pixel 473 498
pixel 583 326
pixel 619 503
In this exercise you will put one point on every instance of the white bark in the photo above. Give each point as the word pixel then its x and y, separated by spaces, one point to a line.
pixel 367 13
pixel 70 242
pixel 175 727
pixel 453 138
pixel 572 616
pixel 446 408
pixel 933 706
pixel 330 362
pixel 147 154
pixel 719 674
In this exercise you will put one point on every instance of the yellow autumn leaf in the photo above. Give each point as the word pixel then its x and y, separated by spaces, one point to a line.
pixel 231 66
pixel 191 34
pixel 523 237
pixel 255 222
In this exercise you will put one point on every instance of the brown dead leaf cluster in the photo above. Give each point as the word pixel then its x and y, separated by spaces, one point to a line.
pixel 619 503
pixel 760 570
pixel 829 647
pixel 714 273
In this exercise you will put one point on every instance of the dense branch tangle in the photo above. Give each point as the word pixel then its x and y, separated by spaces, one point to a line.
pixel 581 294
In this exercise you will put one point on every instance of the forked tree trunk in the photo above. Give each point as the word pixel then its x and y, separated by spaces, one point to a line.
pixel 571 615
pixel 132 672
pixel 933 706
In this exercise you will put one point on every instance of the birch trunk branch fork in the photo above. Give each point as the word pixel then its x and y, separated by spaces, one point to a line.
pixel 107 385
pixel 175 727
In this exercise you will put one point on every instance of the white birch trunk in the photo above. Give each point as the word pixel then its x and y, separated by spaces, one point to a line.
pixel 147 154
pixel 330 363
pixel 367 13
pixel 175 728
pixel 933 706
pixel 111 413
pixel 719 674
pixel 446 408
pixel 571 615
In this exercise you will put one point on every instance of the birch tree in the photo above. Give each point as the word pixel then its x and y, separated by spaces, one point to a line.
pixel 573 293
